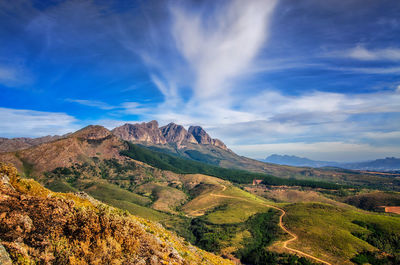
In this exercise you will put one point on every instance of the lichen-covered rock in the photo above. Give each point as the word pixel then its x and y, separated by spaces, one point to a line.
pixel 4 257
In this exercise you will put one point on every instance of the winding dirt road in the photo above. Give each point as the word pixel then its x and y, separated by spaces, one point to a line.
pixel 293 235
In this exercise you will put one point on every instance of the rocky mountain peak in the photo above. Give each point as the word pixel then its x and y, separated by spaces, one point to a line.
pixel 153 125
pixel 200 135
pixel 177 134
pixel 150 133
pixel 140 132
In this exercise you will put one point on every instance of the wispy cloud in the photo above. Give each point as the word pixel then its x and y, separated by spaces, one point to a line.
pixel 92 103
pixel 218 47
pixel 34 123
pixel 361 53
pixel 14 76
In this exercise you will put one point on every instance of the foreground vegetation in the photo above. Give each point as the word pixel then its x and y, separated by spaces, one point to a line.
pixel 38 226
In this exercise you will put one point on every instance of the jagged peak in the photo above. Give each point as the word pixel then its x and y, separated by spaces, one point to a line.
pixel 149 132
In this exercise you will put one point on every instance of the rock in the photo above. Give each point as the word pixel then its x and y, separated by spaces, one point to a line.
pixel 219 143
pixel 174 133
pixel 4 257
pixel 200 135
pixel 140 132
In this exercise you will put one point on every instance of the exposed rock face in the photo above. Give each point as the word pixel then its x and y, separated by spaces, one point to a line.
pixel 171 133
pixel 219 143
pixel 174 133
pixel 15 144
pixel 140 132
pixel 200 135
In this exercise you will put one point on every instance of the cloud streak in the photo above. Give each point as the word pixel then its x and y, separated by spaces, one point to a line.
pixel 363 54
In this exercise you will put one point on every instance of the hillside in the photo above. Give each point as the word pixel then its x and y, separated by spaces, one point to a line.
pixel 40 226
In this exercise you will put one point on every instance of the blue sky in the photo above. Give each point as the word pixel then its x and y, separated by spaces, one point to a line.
pixel 312 78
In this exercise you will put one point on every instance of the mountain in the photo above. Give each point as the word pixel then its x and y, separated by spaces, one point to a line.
pixel 385 164
pixel 75 148
pixel 150 134
pixel 14 144
pixel 177 134
pixel 42 227
pixel 140 132
pixel 297 161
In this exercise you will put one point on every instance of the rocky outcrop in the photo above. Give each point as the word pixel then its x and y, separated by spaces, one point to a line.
pixel 219 143
pixel 200 135
pixel 140 132
pixel 174 133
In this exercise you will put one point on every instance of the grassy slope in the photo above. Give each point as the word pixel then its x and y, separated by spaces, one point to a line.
pixel 326 231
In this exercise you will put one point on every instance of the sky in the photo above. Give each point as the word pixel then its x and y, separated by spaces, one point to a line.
pixel 318 79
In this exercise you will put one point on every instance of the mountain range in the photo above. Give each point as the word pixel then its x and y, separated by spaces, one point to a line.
pixel 48 153
pixel 385 164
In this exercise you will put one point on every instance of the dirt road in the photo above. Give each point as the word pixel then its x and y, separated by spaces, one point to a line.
pixel 293 235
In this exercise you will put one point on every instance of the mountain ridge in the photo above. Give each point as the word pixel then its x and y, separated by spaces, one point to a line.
pixel 383 164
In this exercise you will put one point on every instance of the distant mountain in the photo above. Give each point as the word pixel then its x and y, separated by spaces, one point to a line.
pixel 14 144
pixel 385 164
pixel 297 161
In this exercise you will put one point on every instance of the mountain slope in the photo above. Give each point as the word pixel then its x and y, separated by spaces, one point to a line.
pixel 38 225
pixel 91 141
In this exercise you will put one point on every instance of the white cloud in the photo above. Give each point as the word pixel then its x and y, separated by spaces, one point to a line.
pixel 219 47
pixel 22 123
pixel 361 53
pixel 92 103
